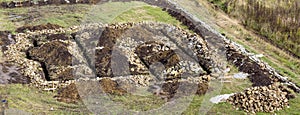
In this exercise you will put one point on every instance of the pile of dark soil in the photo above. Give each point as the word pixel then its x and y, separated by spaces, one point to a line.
pixel 53 54
pixel 258 75
pixel 37 27
pixel 111 87
pixel 176 88
pixel 68 94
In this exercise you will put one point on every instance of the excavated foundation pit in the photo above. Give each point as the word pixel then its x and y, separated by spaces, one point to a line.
pixel 144 52
pixel 129 55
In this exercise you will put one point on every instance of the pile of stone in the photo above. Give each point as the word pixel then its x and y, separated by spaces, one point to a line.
pixel 261 99
pixel 160 55
pixel 147 44
pixel 168 58
pixel 28 54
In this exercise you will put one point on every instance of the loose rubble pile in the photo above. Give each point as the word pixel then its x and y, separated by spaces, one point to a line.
pixel 149 50
pixel 25 54
pixel 269 98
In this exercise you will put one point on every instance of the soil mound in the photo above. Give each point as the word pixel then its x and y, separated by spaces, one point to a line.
pixel 38 27
pixel 68 94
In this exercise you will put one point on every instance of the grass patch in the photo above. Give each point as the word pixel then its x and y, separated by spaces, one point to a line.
pixel 139 103
pixel 30 99
pixel 64 15
pixel 148 13
pixel 237 85
pixel 107 12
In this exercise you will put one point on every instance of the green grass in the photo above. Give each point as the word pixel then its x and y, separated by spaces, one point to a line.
pixel 5 0
pixel 237 85
pixel 4 23
pixel 111 12
pixel 30 99
pixel 139 103
pixel 148 13
pixel 64 15
pixel 107 12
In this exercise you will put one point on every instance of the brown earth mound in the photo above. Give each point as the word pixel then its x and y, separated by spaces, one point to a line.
pixel 111 87
pixel 68 94
pixel 52 53
pixel 38 27
pixel 258 76
pixel 172 89
pixel 152 52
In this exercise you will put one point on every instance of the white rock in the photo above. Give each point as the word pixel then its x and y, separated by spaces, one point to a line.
pixel 240 75
pixel 220 98
pixel 259 55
